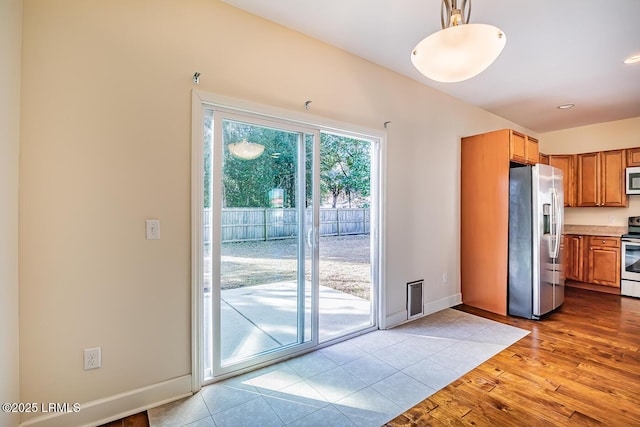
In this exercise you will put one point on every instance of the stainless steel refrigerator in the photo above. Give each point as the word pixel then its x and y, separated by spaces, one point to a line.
pixel 536 208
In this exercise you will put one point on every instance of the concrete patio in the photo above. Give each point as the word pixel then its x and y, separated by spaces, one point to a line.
pixel 261 318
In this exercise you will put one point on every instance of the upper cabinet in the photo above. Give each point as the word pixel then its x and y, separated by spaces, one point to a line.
pixel 613 176
pixel 522 148
pixel 633 157
pixel 566 162
pixel 532 152
pixel 600 179
pixel 544 159
pixel 588 182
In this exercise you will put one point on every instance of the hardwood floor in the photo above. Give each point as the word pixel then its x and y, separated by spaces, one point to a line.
pixel 579 366
pixel 137 420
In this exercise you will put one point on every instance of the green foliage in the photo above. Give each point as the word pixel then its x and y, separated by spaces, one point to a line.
pixel 246 183
pixel 344 167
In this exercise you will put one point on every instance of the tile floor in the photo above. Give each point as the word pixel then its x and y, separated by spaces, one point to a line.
pixel 365 381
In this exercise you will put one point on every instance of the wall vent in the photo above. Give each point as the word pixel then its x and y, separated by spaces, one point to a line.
pixel 414 299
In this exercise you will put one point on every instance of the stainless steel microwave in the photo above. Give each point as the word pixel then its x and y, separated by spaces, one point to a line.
pixel 633 180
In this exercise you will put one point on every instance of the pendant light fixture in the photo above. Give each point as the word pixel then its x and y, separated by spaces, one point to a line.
pixel 460 50
pixel 245 150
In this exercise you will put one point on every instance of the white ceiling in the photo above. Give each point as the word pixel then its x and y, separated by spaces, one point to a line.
pixel 557 52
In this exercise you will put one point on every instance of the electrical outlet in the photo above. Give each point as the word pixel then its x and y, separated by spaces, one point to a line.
pixel 445 278
pixel 92 358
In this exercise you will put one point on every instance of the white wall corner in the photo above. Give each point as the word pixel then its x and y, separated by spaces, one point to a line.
pixel 395 319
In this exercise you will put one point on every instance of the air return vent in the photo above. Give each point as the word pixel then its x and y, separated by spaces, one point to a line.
pixel 414 299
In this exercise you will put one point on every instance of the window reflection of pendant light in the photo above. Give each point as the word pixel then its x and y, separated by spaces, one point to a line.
pixel 245 150
pixel 460 50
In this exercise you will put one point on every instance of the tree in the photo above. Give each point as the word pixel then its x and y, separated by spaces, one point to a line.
pixel 344 167
pixel 246 183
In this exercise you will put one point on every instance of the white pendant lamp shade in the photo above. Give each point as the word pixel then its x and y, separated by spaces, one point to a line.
pixel 245 150
pixel 460 50
pixel 458 53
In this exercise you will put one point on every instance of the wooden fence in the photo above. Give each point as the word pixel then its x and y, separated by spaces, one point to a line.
pixel 245 224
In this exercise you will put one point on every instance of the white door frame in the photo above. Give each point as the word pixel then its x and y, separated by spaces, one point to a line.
pixel 200 102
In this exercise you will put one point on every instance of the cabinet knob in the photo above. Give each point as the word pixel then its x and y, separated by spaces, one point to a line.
pixel 579 237
pixel 603 242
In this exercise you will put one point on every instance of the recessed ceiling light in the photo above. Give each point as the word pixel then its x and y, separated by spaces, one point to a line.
pixel 566 106
pixel 632 59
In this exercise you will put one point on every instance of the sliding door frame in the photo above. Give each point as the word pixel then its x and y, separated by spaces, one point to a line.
pixel 202 101
pixel 220 115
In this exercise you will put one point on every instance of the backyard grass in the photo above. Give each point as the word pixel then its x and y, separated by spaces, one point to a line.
pixel 344 263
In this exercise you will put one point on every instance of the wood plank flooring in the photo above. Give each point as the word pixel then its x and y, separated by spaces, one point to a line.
pixel 579 366
pixel 137 420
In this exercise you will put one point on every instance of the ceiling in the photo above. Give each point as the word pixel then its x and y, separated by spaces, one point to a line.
pixel 557 52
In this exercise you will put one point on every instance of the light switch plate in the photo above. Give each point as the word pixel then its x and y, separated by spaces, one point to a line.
pixel 153 229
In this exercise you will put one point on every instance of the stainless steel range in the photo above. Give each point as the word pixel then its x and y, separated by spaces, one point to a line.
pixel 630 274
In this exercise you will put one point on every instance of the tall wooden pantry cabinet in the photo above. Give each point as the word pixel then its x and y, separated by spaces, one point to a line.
pixel 484 214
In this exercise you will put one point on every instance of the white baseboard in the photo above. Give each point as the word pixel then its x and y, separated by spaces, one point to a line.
pixel 400 317
pixel 443 303
pixel 121 405
pixel 397 318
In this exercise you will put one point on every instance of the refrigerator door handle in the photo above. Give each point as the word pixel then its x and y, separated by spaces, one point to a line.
pixel 556 223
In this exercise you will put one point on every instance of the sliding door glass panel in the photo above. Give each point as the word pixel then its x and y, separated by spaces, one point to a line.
pixel 345 268
pixel 263 304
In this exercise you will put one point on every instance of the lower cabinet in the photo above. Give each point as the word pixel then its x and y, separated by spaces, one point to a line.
pixel 604 261
pixel 593 259
pixel 574 257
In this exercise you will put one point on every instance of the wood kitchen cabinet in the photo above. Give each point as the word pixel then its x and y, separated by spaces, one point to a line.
pixel 588 179
pixel 485 162
pixel 604 261
pixel 601 179
pixel 484 219
pixel 566 163
pixel 592 262
pixel 532 153
pixel 633 157
pixel 543 159
pixel 522 148
pixel 574 257
pixel 613 177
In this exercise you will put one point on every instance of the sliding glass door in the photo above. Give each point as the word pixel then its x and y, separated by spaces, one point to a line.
pixel 287 254
pixel 262 246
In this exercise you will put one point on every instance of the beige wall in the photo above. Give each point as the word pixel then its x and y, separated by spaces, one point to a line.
pixel 598 137
pixel 106 144
pixel 10 47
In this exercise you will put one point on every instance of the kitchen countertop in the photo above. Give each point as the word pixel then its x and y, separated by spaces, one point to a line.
pixel 595 230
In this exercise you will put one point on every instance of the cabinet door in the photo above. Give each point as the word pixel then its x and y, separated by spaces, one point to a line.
pixel 588 182
pixel 612 180
pixel 531 151
pixel 543 159
pixel 604 266
pixel 564 252
pixel 575 261
pixel 633 157
pixel 517 147
pixel 566 162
